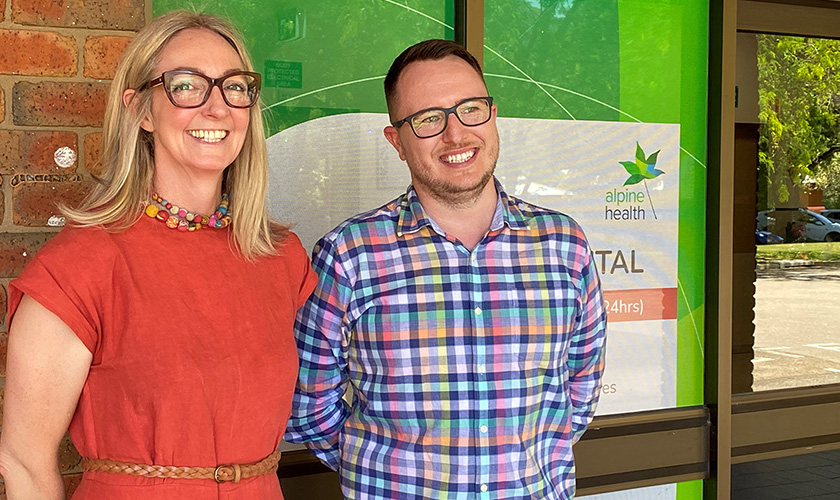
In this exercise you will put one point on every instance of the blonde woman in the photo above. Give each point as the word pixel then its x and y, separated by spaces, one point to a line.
pixel 157 327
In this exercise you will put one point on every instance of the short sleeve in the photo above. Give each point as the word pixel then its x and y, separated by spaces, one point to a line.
pixel 70 277
pixel 301 264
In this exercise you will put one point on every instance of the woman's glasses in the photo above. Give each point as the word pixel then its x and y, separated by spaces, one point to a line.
pixel 189 89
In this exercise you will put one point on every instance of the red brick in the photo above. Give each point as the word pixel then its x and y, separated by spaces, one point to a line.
pixel 34 152
pixel 97 14
pixel 2 202
pixel 3 305
pixel 2 104
pixel 93 153
pixel 4 339
pixel 2 9
pixel 17 249
pixel 71 482
pixel 59 104
pixel 34 203
pixel 38 53
pixel 102 53
pixel 10 157
pixel 68 457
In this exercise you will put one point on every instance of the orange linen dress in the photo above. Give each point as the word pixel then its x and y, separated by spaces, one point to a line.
pixel 194 358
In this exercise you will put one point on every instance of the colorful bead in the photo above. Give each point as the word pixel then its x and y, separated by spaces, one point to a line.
pixel 183 220
pixel 152 210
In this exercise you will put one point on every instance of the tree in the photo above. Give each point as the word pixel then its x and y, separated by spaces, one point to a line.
pixel 799 101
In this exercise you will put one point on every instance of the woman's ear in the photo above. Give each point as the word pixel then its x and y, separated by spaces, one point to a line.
pixel 128 95
pixel 131 105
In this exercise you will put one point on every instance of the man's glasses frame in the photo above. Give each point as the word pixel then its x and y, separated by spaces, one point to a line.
pixel 167 76
pixel 446 112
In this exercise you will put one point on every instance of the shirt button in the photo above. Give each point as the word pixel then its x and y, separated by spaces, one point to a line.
pixel 484 429
pixel 484 488
pixel 478 311
pixel 481 368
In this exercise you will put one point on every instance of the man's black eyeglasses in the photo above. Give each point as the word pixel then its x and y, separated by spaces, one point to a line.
pixel 189 89
pixel 431 122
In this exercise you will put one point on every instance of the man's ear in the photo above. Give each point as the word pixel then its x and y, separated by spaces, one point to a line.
pixel 393 136
pixel 128 102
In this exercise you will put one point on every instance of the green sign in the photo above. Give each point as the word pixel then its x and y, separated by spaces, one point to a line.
pixel 283 74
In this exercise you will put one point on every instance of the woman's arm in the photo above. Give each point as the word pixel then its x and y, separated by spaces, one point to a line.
pixel 46 368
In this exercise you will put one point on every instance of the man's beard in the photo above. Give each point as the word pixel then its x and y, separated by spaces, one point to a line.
pixel 453 194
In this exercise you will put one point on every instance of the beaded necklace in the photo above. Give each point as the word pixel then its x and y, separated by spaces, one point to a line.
pixel 179 218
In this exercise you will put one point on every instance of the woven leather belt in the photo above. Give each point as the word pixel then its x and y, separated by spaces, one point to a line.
pixel 221 474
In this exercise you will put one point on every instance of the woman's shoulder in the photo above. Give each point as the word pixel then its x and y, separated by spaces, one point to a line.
pixel 286 242
pixel 79 241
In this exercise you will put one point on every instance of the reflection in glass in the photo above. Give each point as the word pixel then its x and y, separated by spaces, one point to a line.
pixel 812 476
pixel 797 337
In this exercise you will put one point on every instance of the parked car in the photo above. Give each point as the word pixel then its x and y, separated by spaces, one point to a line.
pixel 767 238
pixel 797 224
pixel 832 214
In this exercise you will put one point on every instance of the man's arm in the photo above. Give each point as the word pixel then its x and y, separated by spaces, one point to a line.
pixel 318 410
pixel 586 351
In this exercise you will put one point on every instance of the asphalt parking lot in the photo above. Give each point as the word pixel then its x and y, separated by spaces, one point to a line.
pixel 797 327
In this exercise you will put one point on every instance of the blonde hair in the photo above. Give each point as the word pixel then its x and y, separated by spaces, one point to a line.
pixel 117 199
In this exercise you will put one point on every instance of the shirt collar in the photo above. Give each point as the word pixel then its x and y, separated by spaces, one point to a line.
pixel 412 217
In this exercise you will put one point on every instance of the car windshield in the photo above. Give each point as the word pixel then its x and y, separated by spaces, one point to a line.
pixel 823 219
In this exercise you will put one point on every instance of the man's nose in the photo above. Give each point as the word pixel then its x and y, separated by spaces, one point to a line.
pixel 454 128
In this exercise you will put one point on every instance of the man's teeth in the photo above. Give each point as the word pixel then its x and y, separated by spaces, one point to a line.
pixel 459 158
pixel 209 135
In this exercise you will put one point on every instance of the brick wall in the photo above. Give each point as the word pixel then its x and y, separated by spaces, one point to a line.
pixel 56 60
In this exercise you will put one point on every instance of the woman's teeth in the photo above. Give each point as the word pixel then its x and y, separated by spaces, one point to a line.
pixel 208 135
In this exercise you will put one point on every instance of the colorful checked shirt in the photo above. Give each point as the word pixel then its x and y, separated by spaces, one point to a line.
pixel 472 373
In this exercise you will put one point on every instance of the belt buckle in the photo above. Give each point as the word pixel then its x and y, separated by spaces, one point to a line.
pixel 218 470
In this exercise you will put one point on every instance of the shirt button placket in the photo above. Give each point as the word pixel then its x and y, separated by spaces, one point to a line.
pixel 482 383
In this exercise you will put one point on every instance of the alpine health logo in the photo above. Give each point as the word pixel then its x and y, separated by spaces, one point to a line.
pixel 629 203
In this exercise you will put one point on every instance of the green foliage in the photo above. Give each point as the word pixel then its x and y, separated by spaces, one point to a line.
pixel 799 100
pixel 569 45
pixel 804 251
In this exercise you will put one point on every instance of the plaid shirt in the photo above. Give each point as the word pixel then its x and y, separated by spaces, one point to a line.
pixel 472 372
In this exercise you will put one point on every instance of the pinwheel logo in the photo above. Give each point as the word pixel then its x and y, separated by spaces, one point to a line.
pixel 641 169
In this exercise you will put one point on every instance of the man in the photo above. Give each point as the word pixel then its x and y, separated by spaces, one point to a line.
pixel 467 325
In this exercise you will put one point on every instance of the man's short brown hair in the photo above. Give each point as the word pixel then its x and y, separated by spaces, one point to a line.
pixel 434 50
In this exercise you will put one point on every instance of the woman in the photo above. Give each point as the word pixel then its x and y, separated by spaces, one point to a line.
pixel 158 325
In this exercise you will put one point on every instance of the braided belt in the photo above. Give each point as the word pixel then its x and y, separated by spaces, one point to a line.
pixel 220 474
